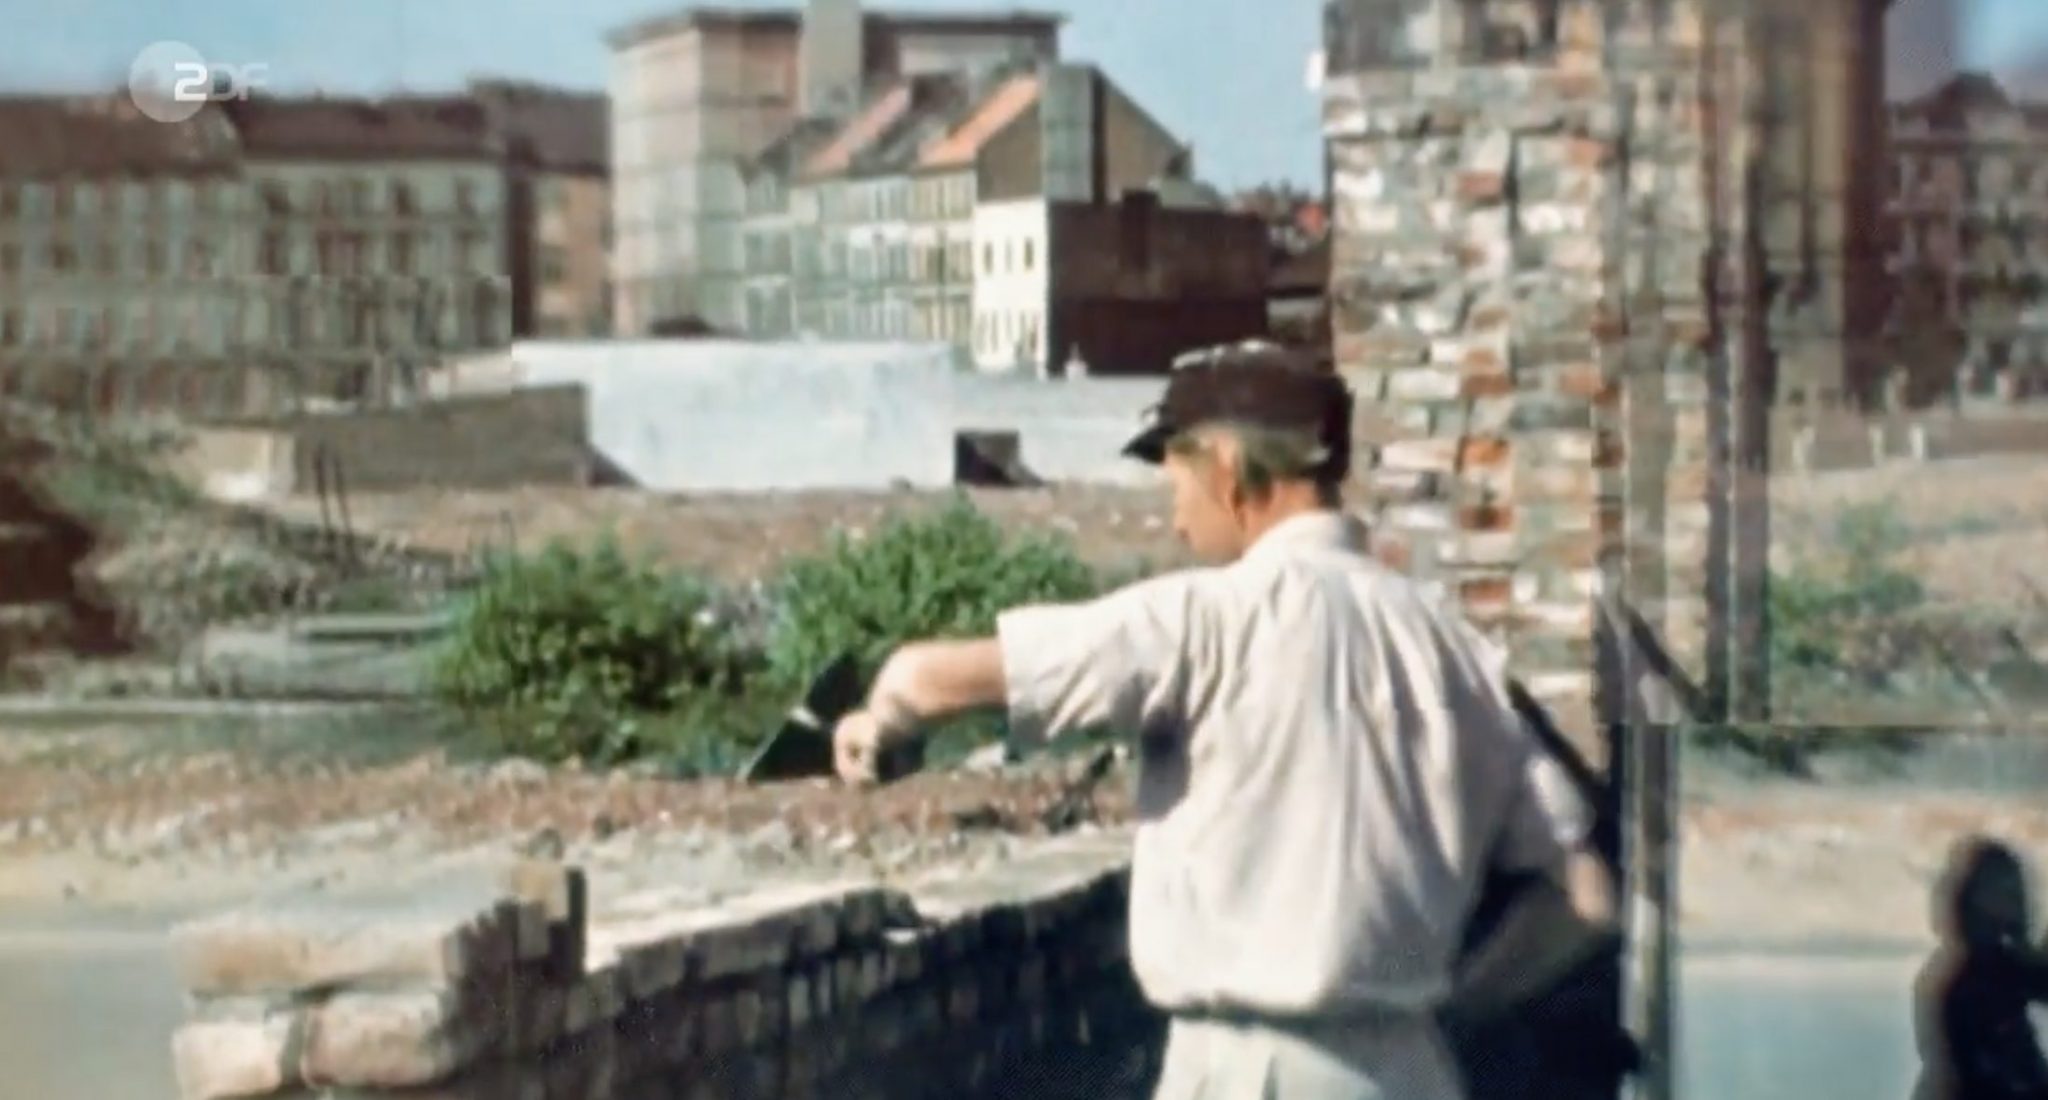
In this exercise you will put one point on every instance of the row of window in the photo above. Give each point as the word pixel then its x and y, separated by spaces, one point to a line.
pixel 45 200
pixel 898 199
pixel 212 326
pixel 39 200
pixel 1984 175
pixel 991 335
pixel 330 253
pixel 336 252
pixel 362 195
pixel 1010 333
pixel 897 261
pixel 132 256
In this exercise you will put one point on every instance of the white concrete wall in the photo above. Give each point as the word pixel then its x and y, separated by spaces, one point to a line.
pixel 1011 287
pixel 717 416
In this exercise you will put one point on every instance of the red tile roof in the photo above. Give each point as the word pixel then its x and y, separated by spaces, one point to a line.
pixel 864 130
pixel 1005 105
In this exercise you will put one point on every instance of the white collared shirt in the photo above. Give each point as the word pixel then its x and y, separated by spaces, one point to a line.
pixel 1328 764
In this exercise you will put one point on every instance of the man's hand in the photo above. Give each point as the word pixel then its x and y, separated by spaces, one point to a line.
pixel 857 748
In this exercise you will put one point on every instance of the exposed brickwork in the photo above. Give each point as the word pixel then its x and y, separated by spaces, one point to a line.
pixel 959 986
pixel 1550 271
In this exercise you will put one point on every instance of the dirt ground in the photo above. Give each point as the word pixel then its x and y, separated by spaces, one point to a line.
pixel 160 814
pixel 1979 525
pixel 742 537
pixel 117 815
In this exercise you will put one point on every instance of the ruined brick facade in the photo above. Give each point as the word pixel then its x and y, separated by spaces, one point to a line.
pixel 1580 247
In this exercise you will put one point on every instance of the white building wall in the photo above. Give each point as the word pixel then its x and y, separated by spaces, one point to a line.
pixel 732 416
pixel 1012 292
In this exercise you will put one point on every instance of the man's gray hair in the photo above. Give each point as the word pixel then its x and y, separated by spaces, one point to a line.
pixel 1266 455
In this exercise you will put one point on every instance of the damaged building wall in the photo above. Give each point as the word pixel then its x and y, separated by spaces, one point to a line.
pixel 1576 247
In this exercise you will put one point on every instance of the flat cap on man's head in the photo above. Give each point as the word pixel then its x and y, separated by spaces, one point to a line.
pixel 1256 384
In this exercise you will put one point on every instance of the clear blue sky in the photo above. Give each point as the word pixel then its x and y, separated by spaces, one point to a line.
pixel 1226 74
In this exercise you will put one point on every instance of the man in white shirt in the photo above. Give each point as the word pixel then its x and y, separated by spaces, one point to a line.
pixel 1329 762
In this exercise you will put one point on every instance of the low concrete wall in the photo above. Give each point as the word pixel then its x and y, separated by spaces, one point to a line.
pixel 537 436
pixel 1839 441
pixel 740 416
pixel 1006 982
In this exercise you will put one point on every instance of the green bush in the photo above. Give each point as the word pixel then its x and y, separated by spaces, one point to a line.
pixel 1856 647
pixel 940 574
pixel 944 573
pixel 588 654
pixel 1856 619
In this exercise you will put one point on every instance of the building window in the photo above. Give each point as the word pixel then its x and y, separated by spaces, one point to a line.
pixel 60 200
pixel 10 258
pixel 1027 255
pixel 465 196
pixel 988 259
pixel 402 200
pixel 10 202
pixel 359 196
pixel 277 198
pixel 554 262
pixel 273 259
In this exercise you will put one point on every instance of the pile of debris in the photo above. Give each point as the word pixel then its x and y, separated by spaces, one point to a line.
pixel 92 503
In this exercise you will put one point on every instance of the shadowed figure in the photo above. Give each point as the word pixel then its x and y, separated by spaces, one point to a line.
pixel 1570 1042
pixel 1976 1037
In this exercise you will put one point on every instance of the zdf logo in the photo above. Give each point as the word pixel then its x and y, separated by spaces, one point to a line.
pixel 170 81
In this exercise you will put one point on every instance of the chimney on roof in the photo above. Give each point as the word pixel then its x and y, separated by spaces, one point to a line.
pixel 829 58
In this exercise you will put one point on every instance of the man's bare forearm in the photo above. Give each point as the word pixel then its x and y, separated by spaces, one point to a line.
pixel 926 682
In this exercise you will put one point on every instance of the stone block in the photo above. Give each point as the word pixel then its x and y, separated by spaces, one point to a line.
pixel 1420 456
pixel 1425 384
pixel 224 1058
pixel 390 1040
pixel 717 1026
pixel 1483 550
pixel 1482 453
pixel 308 946
pixel 749 1016
pixel 561 894
pixel 763 931
pixel 539 1011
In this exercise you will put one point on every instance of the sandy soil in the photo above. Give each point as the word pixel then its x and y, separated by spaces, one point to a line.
pixel 119 816
pixel 744 536
pixel 1979 524
pixel 164 815
pixel 1980 527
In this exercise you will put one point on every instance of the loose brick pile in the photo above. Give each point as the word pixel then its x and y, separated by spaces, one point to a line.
pixel 957 986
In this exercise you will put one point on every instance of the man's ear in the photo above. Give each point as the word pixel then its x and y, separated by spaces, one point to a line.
pixel 1224 455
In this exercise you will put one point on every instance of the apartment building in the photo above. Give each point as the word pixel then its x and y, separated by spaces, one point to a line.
pixel 558 206
pixel 1969 234
pixel 946 207
pixel 699 95
pixel 124 252
pixel 381 237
